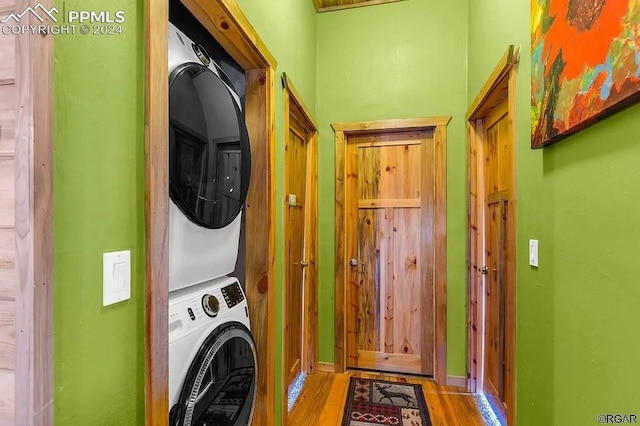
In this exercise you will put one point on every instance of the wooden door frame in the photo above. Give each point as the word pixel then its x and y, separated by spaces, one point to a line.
pixel 310 301
pixel 342 132
pixel 230 27
pixel 500 84
pixel 34 226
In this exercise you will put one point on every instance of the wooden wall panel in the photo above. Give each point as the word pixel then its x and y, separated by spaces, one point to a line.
pixel 7 6
pixel 7 335
pixel 7 256
pixel 7 397
pixel 8 272
pixel 7 119
pixel 33 222
pixel 7 57
pixel 7 193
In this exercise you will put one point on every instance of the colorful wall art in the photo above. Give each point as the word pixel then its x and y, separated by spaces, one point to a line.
pixel 585 65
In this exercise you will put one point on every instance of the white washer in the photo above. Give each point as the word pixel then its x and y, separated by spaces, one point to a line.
pixel 209 166
pixel 212 356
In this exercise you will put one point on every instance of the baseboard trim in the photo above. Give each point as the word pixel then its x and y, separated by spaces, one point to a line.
pixel 326 367
pixel 457 382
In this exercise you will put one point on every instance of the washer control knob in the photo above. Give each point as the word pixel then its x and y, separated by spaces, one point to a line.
pixel 210 305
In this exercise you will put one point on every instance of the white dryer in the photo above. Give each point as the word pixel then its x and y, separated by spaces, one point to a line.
pixel 212 356
pixel 209 166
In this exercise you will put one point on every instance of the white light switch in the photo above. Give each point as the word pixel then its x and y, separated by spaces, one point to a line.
pixel 533 253
pixel 116 277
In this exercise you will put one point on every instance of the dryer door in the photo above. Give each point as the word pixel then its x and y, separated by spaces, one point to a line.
pixel 209 154
pixel 221 385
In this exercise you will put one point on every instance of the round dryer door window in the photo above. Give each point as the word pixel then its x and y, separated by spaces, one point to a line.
pixel 220 387
pixel 209 153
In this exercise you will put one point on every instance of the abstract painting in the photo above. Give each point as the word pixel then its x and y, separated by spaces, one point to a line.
pixel 585 64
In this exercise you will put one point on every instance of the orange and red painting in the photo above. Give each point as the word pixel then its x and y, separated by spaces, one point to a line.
pixel 585 63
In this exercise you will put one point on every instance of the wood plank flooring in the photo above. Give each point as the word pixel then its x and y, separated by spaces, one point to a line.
pixel 321 402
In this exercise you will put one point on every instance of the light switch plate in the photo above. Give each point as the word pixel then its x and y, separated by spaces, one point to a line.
pixel 533 253
pixel 116 277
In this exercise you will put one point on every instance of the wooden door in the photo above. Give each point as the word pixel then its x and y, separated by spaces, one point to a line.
pixel 389 225
pixel 8 276
pixel 498 178
pixel 296 263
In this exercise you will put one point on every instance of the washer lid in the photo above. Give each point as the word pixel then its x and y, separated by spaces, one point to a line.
pixel 209 152
pixel 220 386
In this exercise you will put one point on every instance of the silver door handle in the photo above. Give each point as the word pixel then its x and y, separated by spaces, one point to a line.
pixel 484 270
pixel 303 264
pixel 353 262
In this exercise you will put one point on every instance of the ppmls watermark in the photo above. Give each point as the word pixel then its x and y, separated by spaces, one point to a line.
pixel 39 19
pixel 617 419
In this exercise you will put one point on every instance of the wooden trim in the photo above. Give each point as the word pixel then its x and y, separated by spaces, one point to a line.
pixel 230 27
pixel 498 197
pixel 285 299
pixel 303 117
pixel 440 238
pixel 34 227
pixel 321 9
pixel 379 203
pixel 225 21
pixel 457 382
pixel 501 82
pixel 326 367
pixel 405 124
pixel 501 70
pixel 157 216
pixel 475 327
pixel 260 224
pixel 311 281
pixel 511 261
pixel 295 96
pixel 342 130
pixel 387 143
pixel 340 360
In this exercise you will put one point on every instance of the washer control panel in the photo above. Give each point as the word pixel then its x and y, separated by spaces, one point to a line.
pixel 210 305
pixel 232 295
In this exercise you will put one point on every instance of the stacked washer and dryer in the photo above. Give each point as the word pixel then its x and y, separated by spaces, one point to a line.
pixel 212 355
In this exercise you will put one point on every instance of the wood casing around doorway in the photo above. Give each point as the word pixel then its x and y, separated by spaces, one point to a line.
pixel 299 120
pixel 230 27
pixel 497 98
pixel 343 131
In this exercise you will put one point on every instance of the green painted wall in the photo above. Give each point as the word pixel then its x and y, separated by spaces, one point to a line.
pixel 398 60
pixel 577 314
pixel 99 200
pixel 99 207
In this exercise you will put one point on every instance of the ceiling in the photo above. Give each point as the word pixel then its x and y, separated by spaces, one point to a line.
pixel 329 5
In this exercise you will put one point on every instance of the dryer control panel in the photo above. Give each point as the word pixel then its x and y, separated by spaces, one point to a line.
pixel 232 295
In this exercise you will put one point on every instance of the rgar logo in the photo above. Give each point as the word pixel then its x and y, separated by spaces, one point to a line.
pixel 39 11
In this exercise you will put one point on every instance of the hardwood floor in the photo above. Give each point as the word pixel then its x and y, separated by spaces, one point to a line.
pixel 322 400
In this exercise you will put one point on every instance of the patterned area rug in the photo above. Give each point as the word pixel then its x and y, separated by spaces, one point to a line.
pixel 378 402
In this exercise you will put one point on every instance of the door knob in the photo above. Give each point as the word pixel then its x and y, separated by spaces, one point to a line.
pixel 353 262
pixel 303 264
pixel 484 270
